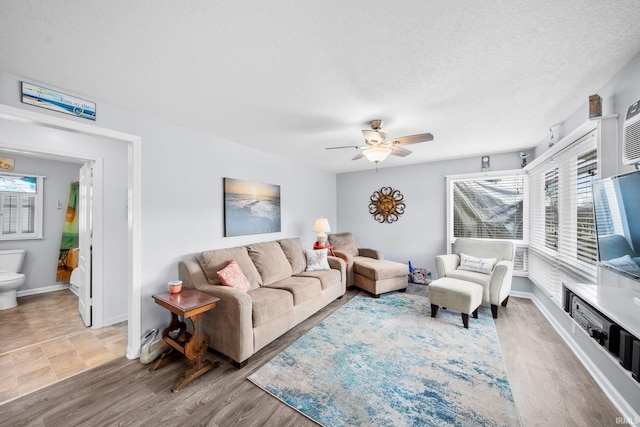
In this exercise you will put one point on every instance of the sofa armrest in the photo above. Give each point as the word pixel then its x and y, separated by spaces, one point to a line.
pixel 191 274
pixel 337 263
pixel 345 256
pixel 230 323
pixel 446 263
pixel 500 282
pixel 370 253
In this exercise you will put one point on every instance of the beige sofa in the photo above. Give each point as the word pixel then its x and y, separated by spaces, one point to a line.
pixel 281 295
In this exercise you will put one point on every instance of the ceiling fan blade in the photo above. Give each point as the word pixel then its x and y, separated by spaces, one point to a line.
pixel 374 137
pixel 412 139
pixel 399 151
pixel 346 146
pixel 358 156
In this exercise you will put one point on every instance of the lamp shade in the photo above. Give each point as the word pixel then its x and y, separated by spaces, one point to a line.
pixel 321 225
pixel 377 154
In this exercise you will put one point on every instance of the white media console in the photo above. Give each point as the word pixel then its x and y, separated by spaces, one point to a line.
pixel 620 305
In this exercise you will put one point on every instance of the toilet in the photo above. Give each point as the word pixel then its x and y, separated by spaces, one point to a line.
pixel 10 279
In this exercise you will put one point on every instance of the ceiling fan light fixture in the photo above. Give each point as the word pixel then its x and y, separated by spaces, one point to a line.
pixel 377 154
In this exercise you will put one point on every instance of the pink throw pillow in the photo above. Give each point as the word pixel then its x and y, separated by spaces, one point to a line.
pixel 233 277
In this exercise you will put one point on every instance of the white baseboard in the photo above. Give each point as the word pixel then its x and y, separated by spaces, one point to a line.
pixel 43 290
pixel 113 320
pixel 603 382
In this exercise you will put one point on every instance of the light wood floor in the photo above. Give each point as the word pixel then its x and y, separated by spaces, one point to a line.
pixel 44 340
pixel 550 386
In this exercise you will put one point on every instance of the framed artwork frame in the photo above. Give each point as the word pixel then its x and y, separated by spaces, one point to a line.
pixel 57 101
pixel 250 207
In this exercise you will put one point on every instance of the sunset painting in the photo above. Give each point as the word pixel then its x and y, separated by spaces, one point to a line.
pixel 250 207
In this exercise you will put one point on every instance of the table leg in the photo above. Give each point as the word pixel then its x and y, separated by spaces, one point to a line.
pixel 193 373
pixel 195 349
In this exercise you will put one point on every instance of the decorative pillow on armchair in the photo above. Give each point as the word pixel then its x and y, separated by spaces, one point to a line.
pixel 317 260
pixel 233 277
pixel 479 265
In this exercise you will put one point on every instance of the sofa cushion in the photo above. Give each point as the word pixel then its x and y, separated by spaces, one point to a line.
pixel 328 278
pixel 294 251
pixel 269 303
pixel 376 269
pixel 317 259
pixel 344 242
pixel 270 261
pixel 233 277
pixel 302 288
pixel 215 260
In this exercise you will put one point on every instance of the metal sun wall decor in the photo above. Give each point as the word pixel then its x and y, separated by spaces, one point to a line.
pixel 386 205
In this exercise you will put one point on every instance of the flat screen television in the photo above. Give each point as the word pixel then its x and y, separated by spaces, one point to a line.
pixel 616 204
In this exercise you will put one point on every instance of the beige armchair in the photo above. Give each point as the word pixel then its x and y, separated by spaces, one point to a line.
pixel 494 279
pixel 345 247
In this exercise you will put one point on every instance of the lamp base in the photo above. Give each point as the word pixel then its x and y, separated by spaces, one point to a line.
pixel 322 241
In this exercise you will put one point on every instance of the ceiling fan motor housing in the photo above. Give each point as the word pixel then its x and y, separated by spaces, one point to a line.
pixel 376 124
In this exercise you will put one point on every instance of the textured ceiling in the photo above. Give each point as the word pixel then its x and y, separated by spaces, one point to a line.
pixel 294 77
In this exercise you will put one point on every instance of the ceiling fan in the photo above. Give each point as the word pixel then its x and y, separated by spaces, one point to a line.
pixel 378 147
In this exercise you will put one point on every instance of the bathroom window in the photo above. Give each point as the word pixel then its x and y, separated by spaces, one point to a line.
pixel 21 207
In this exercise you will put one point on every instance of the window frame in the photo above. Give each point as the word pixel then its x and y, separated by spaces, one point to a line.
pixel 521 244
pixel 38 213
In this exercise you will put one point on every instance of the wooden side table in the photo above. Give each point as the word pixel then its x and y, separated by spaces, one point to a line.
pixel 317 246
pixel 188 304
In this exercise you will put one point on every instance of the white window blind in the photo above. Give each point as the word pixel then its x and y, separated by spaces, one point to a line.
pixel 563 245
pixel 551 220
pixel 490 207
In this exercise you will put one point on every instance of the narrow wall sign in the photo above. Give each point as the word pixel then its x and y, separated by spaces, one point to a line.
pixel 57 101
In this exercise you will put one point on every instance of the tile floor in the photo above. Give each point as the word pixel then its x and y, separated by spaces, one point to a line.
pixel 45 341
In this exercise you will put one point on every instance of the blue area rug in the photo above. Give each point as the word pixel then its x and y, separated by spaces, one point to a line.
pixel 386 362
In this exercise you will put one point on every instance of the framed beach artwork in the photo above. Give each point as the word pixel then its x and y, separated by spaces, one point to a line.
pixel 57 101
pixel 250 207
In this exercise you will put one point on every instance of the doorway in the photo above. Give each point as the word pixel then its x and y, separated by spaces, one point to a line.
pixel 73 128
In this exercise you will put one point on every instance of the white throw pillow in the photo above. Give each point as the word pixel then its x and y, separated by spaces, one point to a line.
pixel 479 265
pixel 625 263
pixel 317 260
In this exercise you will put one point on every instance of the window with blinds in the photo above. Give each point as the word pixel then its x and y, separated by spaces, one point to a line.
pixel 587 173
pixel 563 239
pixel 490 207
pixel 551 209
pixel 21 212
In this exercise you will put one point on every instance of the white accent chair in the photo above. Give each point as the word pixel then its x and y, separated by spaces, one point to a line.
pixel 497 284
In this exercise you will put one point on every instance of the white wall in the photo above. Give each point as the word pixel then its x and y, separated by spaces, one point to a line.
pixel 182 194
pixel 41 263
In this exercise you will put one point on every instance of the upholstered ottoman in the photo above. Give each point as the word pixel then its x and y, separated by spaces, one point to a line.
pixel 378 276
pixel 458 295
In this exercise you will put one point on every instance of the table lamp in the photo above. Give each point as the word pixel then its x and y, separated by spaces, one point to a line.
pixel 322 226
